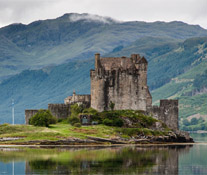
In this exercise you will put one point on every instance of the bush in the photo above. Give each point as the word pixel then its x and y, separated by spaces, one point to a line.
pixel 77 125
pixel 73 119
pixel 112 105
pixel 130 131
pixel 194 121
pixel 76 109
pixel 118 122
pixel 90 111
pixel 43 118
pixel 186 122
pixel 108 122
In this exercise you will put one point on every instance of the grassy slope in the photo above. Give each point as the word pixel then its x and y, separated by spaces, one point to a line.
pixel 178 88
pixel 55 132
pixel 62 131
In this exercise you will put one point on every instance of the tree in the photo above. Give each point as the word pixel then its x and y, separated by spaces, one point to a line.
pixel 43 118
pixel 186 122
pixel 194 121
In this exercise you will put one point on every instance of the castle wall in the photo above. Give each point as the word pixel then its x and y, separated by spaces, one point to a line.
pixel 98 97
pixel 78 98
pixel 170 112
pixel 122 81
pixel 167 112
pixel 60 111
pixel 29 113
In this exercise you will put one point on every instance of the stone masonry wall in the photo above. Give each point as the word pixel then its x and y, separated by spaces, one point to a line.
pixel 167 112
pixel 61 111
pixel 122 81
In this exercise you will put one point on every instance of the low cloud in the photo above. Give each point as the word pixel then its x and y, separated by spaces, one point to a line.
pixel 90 17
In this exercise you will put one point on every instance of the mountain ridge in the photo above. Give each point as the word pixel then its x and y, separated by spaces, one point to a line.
pixel 55 41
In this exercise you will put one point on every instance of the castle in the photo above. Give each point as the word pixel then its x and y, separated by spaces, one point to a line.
pixel 123 82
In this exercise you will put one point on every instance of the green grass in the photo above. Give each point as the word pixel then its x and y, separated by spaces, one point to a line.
pixel 55 132
pixel 63 131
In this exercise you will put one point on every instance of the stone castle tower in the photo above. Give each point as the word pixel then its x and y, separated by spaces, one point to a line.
pixel 120 80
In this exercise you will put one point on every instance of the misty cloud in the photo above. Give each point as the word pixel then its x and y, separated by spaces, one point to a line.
pixel 90 17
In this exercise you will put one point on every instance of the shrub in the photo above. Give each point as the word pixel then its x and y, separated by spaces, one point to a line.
pixel 118 122
pixel 90 111
pixel 130 131
pixel 108 122
pixel 186 122
pixel 76 109
pixel 43 118
pixel 112 105
pixel 194 121
pixel 77 125
pixel 73 119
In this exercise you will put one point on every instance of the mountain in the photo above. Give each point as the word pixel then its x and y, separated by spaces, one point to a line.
pixel 43 62
pixel 181 63
pixel 77 36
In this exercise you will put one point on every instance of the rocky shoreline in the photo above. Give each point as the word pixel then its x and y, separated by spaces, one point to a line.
pixel 171 137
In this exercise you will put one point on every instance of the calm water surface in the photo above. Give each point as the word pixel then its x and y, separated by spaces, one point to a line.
pixel 129 160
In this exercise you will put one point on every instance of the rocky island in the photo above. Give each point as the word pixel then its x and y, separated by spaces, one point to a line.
pixel 118 111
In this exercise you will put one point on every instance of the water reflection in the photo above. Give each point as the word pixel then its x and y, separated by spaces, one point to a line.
pixel 117 160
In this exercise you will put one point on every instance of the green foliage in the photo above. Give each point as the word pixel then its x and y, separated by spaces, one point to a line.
pixel 73 119
pixel 194 125
pixel 76 109
pixel 115 117
pixel 112 105
pixel 118 122
pixel 78 125
pixel 108 122
pixel 200 81
pixel 186 122
pixel 194 121
pixel 138 131
pixel 43 118
pixel 90 111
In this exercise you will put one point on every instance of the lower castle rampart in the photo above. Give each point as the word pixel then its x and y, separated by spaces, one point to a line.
pixel 167 112
pixel 60 111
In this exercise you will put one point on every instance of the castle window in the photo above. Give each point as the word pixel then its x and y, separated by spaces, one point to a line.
pixel 142 88
pixel 136 92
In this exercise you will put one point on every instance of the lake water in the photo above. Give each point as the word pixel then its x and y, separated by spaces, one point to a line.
pixel 127 160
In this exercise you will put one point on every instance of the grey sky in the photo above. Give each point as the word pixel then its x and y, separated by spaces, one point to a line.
pixel 26 11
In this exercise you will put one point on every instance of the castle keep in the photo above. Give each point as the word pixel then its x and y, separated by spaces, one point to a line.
pixel 123 82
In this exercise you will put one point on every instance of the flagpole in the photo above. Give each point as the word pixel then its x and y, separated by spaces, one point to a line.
pixel 12 111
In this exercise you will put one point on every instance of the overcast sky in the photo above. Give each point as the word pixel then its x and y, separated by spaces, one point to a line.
pixel 26 11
